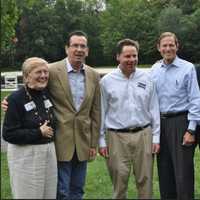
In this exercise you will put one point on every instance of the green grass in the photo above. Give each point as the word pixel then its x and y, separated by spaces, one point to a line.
pixel 5 182
pixel 98 184
pixel 3 94
pixel 197 173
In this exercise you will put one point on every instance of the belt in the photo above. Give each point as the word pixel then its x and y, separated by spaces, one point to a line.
pixel 172 114
pixel 129 130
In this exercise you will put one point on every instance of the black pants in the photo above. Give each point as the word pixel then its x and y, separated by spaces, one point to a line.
pixel 175 161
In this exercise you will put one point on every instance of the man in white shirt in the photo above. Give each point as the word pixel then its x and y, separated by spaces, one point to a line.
pixel 131 119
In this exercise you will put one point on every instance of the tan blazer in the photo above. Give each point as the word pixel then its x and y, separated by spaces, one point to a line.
pixel 75 129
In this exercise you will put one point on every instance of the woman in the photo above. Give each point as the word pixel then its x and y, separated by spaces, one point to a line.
pixel 29 127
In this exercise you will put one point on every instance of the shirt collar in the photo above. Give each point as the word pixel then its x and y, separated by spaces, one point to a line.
pixel 122 74
pixel 175 63
pixel 70 68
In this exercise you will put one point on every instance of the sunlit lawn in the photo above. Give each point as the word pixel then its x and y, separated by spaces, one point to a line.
pixel 98 184
pixel 3 94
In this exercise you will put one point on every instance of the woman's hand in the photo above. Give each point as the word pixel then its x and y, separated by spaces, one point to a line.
pixel 4 104
pixel 46 131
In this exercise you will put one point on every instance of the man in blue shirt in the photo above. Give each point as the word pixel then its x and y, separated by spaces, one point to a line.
pixel 179 100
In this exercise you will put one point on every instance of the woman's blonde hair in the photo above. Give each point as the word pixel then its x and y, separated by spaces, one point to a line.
pixel 30 64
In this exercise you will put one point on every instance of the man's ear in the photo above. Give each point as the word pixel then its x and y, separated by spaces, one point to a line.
pixel 177 45
pixel 66 49
pixel 158 47
pixel 87 52
pixel 117 57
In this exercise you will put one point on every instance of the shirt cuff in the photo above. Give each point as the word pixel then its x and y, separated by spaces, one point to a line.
pixel 156 139
pixel 102 141
pixel 192 125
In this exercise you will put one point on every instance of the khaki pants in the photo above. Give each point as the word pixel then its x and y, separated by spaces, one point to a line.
pixel 130 151
pixel 33 171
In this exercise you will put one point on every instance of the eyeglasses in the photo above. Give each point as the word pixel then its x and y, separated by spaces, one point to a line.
pixel 76 46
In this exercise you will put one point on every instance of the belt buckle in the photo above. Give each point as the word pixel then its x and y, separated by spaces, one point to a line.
pixel 163 115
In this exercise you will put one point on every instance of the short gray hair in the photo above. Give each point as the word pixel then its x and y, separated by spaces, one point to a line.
pixel 30 64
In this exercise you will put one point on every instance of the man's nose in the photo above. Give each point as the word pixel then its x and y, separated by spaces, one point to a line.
pixel 79 48
pixel 168 47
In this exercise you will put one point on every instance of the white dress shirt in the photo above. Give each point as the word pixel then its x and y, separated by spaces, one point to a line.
pixel 129 103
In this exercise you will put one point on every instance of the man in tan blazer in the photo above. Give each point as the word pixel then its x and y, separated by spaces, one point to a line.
pixel 75 93
pixel 74 88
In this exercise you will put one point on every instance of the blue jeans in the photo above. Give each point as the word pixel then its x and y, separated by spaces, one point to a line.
pixel 71 178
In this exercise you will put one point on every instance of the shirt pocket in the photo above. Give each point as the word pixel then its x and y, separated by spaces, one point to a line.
pixel 180 84
pixel 141 94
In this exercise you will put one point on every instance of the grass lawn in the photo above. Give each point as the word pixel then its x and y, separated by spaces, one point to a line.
pixel 98 184
pixel 3 94
pixel 5 182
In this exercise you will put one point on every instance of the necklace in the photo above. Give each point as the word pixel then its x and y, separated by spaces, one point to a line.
pixel 36 112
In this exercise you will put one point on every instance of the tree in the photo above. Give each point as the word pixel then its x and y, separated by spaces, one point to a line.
pixel 170 19
pixel 129 18
pixel 9 17
pixel 187 6
pixel 31 28
pixel 90 23
pixel 189 37
pixel 186 28
pixel 44 26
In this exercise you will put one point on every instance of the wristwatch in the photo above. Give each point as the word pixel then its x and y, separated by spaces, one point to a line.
pixel 191 132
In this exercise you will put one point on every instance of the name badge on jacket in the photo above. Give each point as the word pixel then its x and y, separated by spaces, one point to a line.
pixel 47 103
pixel 30 106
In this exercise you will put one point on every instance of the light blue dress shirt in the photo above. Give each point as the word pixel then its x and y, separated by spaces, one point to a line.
pixel 177 88
pixel 129 103
pixel 77 84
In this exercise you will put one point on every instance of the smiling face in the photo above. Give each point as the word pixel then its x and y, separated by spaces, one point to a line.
pixel 168 48
pixel 128 59
pixel 77 50
pixel 38 77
